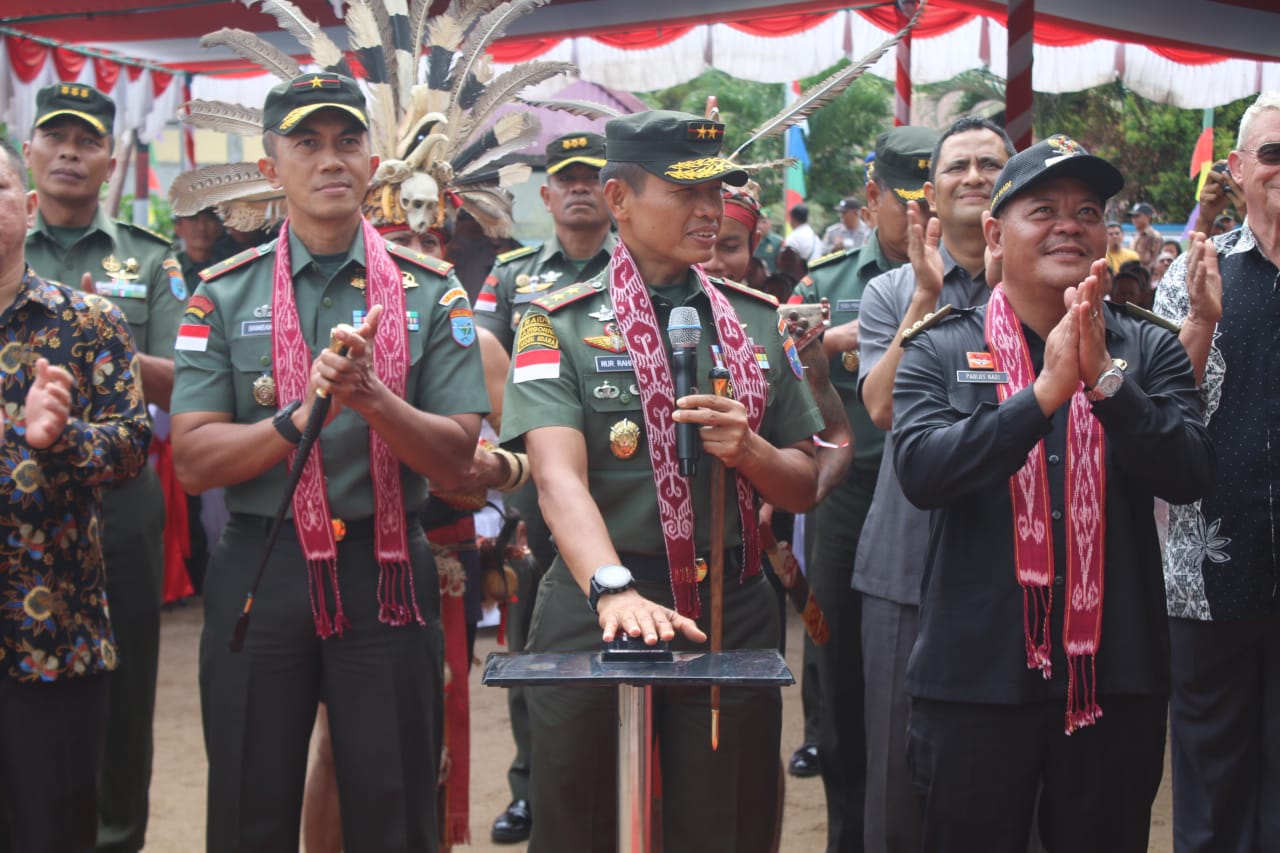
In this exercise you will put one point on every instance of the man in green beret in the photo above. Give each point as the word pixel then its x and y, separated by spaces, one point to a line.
pixel 348 609
pixel 901 168
pixel 591 398
pixel 578 250
pixel 74 241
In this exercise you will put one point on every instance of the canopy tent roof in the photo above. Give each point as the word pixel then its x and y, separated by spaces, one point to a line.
pixel 1192 53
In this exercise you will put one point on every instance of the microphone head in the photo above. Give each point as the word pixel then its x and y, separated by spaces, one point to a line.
pixel 684 329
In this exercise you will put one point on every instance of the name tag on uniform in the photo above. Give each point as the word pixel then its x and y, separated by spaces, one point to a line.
pixel 989 377
pixel 613 363
pixel 121 289
pixel 254 328
pixel 850 305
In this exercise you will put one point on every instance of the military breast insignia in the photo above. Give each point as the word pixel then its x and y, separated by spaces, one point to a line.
pixel 358 282
pixel 604 315
pixel 264 391
pixel 123 279
pixel 851 360
pixel 177 284
pixel 624 439
pixel 407 279
pixel 610 341
pixel 534 284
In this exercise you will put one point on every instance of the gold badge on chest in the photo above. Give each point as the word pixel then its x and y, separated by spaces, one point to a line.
pixel 624 439
pixel 851 360
pixel 264 391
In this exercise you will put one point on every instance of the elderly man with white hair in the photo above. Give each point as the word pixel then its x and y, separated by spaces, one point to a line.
pixel 1223 560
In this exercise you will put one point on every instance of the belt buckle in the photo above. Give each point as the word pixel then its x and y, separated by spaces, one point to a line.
pixel 339 529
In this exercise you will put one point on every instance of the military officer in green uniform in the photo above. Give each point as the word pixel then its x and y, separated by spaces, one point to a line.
pixel 579 249
pixel 590 397
pixel 900 169
pixel 74 241
pixel 348 609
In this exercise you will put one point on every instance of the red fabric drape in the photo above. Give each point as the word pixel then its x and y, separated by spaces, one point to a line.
pixel 934 21
pixel 160 81
pixel 643 39
pixel 1054 35
pixel 783 25
pixel 26 58
pixel 68 64
pixel 1185 57
pixel 522 50
pixel 134 71
pixel 177 536
pixel 105 73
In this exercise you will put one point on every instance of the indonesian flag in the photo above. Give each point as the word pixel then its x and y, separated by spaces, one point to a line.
pixel 192 338
pixel 537 364
pixel 487 300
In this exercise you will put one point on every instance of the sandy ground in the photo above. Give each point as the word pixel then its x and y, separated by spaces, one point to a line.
pixel 178 783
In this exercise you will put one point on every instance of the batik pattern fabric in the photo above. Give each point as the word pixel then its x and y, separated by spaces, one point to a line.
pixel 53 608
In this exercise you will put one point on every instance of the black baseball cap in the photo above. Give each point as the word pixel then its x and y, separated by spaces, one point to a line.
pixel 903 157
pixel 678 147
pixel 1143 208
pixel 290 102
pixel 584 148
pixel 1055 157
pixel 78 101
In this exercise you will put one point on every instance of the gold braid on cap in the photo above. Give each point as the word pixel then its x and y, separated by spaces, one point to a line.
pixel 440 139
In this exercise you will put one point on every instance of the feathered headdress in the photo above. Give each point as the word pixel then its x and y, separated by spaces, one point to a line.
pixel 436 139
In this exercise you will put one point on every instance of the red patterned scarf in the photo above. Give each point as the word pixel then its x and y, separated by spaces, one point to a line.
pixel 292 358
pixel 633 308
pixel 1033 533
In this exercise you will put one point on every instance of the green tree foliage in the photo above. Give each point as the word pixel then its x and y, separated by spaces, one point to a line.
pixel 1150 143
pixel 839 134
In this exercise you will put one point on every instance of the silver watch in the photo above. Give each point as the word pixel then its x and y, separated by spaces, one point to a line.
pixel 610 580
pixel 1108 382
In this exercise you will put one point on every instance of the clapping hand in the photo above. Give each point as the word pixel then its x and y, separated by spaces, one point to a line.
pixel 48 405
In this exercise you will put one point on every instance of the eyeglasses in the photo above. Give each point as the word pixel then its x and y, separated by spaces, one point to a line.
pixel 1268 155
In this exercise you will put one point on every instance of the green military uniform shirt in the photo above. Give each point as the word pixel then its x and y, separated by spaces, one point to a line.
pixel 594 391
pixel 445 374
pixel 133 267
pixel 768 250
pixel 842 277
pixel 520 276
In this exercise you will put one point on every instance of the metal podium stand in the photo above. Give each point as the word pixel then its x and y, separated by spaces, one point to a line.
pixel 635 680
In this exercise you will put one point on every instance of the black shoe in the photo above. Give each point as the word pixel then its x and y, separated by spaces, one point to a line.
pixel 804 762
pixel 514 824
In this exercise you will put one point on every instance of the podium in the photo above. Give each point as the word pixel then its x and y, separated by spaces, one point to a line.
pixel 635 673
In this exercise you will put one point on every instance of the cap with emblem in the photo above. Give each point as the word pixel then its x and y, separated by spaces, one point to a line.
pixel 1057 156
pixel 677 147
pixel 78 101
pixel 1142 209
pixel 290 102
pixel 584 148
pixel 902 160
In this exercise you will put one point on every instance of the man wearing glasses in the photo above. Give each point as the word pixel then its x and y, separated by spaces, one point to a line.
pixel 1222 561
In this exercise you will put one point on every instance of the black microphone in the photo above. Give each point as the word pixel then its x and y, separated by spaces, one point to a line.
pixel 683 330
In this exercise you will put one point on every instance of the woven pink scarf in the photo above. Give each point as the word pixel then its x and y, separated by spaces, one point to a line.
pixel 633 308
pixel 292 358
pixel 1033 532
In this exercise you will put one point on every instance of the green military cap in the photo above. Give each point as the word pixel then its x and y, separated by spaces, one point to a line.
pixel 290 102
pixel 677 147
pixel 585 148
pixel 903 156
pixel 1057 156
pixel 79 101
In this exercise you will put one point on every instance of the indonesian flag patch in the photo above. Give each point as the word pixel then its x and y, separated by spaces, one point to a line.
pixel 192 338
pixel 536 364
pixel 487 300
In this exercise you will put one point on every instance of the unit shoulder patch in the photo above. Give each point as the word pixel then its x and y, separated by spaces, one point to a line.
pixel 557 299
pixel 210 273
pixel 428 262
pixel 144 232
pixel 508 257
pixel 749 291
pixel 930 320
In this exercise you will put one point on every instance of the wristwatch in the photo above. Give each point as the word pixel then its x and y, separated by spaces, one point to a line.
pixel 1108 382
pixel 610 580
pixel 283 422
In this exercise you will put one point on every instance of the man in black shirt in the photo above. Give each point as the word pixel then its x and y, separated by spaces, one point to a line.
pixel 1038 429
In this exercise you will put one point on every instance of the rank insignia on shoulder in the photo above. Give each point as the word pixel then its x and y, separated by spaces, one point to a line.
pixel 429 262
pixel 508 257
pixel 929 320
pixel 826 259
pixel 232 262
pixel 564 296
pixel 749 291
